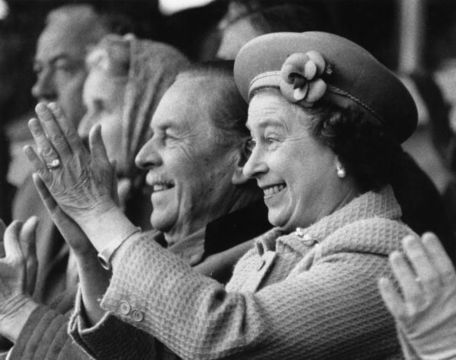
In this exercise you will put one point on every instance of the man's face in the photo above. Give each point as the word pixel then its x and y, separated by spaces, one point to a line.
pixel 60 68
pixel 189 169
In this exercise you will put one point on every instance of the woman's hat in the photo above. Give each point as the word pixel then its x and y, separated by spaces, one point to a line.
pixel 311 66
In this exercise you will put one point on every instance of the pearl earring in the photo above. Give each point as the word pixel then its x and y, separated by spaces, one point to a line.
pixel 341 173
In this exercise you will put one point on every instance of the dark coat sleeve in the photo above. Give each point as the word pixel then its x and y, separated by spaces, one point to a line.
pixel 45 334
pixel 45 337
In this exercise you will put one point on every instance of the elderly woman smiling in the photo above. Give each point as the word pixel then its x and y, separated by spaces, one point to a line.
pixel 326 121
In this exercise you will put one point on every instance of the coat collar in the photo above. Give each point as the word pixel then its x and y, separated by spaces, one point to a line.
pixel 371 204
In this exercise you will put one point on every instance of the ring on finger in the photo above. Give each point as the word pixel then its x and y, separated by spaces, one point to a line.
pixel 53 164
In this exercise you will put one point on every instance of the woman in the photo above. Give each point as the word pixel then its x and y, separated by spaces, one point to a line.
pixel 324 140
pixel 426 313
pixel 127 78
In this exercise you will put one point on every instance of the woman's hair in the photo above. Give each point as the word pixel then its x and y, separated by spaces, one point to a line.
pixel 112 55
pixel 367 151
pixel 228 108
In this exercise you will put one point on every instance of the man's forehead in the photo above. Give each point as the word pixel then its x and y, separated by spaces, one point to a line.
pixel 70 39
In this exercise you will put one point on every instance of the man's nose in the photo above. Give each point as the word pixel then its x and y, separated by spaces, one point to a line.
pixel 44 87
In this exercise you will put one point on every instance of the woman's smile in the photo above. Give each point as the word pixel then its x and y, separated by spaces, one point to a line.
pixel 272 190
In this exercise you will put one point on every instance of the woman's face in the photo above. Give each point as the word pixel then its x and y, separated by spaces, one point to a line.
pixel 103 96
pixel 296 173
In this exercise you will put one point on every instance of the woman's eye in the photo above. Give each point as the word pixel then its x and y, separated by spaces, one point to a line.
pixel 271 140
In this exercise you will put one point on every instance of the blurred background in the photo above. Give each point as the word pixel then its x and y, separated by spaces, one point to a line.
pixel 415 38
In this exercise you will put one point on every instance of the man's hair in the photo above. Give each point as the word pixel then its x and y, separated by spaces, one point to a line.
pixel 228 108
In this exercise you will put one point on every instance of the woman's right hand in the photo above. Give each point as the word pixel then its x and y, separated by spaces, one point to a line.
pixel 426 311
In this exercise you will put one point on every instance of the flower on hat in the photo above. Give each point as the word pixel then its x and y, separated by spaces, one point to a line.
pixel 301 78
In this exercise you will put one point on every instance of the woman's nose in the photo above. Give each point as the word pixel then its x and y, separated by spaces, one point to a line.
pixel 148 156
pixel 255 165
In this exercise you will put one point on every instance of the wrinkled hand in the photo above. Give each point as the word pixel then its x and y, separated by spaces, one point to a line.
pixel 17 276
pixel 426 313
pixel 70 231
pixel 80 181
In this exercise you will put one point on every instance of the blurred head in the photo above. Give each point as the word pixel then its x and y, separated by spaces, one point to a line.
pixel 60 57
pixel 321 134
pixel 197 151
pixel 104 92
pixel 127 78
pixel 246 20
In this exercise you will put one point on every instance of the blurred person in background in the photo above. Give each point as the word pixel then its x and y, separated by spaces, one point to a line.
pixel 245 20
pixel 60 65
pixel 126 78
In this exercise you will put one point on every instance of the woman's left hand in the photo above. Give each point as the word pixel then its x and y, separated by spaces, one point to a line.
pixel 80 181
pixel 426 311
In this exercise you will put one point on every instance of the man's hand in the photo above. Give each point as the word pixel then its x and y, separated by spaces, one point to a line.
pixel 80 181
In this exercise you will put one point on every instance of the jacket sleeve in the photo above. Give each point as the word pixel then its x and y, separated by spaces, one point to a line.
pixel 45 337
pixel 110 338
pixel 334 305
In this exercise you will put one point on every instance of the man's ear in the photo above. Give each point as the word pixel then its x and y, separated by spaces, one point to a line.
pixel 242 156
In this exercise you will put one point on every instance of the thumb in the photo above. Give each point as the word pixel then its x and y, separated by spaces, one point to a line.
pixel 27 237
pixel 11 240
pixel 97 146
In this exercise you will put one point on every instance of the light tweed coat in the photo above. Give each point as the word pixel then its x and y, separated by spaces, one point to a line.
pixel 311 294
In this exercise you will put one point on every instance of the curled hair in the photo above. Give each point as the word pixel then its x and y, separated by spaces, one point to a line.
pixel 367 150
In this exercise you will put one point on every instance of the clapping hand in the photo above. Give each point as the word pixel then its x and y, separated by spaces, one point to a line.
pixel 18 270
pixel 80 180
pixel 426 311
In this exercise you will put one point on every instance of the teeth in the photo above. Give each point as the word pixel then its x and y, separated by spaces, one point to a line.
pixel 160 187
pixel 273 189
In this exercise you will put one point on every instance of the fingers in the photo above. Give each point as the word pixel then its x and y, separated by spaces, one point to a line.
pixel 439 258
pixel 391 297
pixel 11 241
pixel 67 128
pixel 49 123
pixel 43 145
pixel 416 253
pixel 97 147
pixel 405 276
pixel 37 164
pixel 27 237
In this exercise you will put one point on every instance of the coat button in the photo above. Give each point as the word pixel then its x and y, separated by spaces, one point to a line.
pixel 125 308
pixel 137 315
